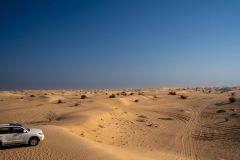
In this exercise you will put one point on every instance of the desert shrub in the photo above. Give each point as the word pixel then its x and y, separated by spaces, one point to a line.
pixel 131 94
pixel 83 96
pixel 140 120
pixel 112 96
pixel 141 93
pixel 233 115
pixel 183 97
pixel 226 119
pixel 172 93
pixel 221 111
pixel 232 99
pixel 32 95
pixel 76 104
pixel 101 126
pixel 166 118
pixel 51 116
pixel 59 101
pixel 118 94
pixel 142 116
pixel 136 100
pixel 155 96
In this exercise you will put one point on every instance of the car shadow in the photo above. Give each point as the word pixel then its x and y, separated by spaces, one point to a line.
pixel 14 147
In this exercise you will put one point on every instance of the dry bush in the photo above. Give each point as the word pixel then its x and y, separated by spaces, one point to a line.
pixel 232 99
pixel 172 93
pixel 112 96
pixel 221 111
pixel 142 116
pixel 183 97
pixel 136 101
pixel 155 96
pixel 166 118
pixel 101 126
pixel 32 96
pixel 76 104
pixel 51 116
pixel 140 120
pixel 83 96
pixel 59 101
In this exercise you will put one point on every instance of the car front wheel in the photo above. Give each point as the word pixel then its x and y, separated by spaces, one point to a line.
pixel 33 141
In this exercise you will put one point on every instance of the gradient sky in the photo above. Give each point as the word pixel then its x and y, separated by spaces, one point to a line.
pixel 119 44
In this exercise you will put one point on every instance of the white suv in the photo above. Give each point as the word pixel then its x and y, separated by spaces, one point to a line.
pixel 13 134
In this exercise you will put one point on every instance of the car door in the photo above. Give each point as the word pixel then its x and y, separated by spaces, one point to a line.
pixel 6 135
pixel 19 136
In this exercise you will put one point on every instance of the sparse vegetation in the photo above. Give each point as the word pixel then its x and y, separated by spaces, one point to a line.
pixel 172 93
pixel 131 94
pixel 112 96
pixel 232 99
pixel 51 116
pixel 233 115
pixel 83 96
pixel 183 97
pixel 226 119
pixel 142 116
pixel 82 134
pixel 221 111
pixel 76 104
pixel 136 100
pixel 59 101
pixel 124 93
pixel 32 96
pixel 101 126
pixel 140 120
pixel 166 118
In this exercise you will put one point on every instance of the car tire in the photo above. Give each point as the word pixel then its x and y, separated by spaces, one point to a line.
pixel 33 141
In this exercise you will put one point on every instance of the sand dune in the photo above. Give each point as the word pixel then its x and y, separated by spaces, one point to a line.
pixel 137 124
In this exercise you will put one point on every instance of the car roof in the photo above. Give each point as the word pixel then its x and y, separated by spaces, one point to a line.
pixel 10 125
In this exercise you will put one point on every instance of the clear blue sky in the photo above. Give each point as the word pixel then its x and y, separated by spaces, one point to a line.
pixel 119 44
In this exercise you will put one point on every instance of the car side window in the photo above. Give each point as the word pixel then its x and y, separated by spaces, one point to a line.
pixel 4 130
pixel 17 130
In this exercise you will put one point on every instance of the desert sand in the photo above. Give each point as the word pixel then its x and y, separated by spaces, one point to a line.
pixel 135 124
